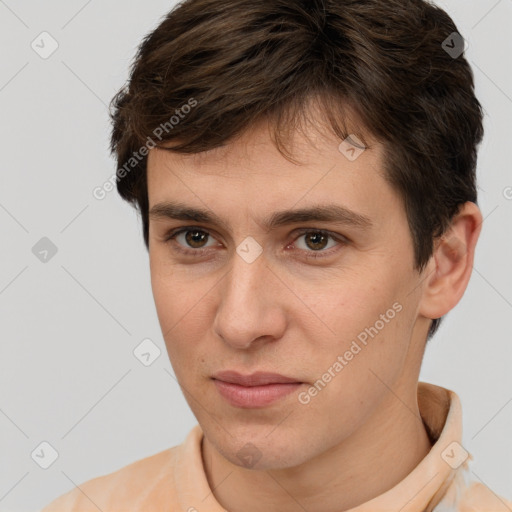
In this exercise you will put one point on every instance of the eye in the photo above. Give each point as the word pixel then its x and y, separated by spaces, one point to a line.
pixel 316 241
pixel 193 238
pixel 193 241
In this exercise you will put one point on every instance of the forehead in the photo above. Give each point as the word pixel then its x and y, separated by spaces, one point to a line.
pixel 250 178
pixel 308 149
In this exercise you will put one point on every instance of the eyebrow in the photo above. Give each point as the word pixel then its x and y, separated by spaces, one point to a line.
pixel 332 213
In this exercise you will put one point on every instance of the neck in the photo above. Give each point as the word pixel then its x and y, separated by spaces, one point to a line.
pixel 390 444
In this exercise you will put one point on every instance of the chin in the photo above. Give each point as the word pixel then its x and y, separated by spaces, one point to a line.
pixel 262 451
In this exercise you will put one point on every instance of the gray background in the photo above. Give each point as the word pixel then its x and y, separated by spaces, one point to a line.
pixel 69 326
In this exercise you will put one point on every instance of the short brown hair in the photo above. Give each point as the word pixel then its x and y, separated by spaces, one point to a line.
pixel 245 60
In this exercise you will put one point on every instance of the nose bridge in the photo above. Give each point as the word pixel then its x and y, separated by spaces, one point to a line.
pixel 246 300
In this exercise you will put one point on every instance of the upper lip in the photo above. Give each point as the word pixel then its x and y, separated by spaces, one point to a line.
pixel 254 379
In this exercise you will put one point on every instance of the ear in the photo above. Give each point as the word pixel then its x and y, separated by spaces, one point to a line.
pixel 449 269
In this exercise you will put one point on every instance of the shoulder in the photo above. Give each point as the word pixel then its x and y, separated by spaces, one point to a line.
pixel 129 487
pixel 479 498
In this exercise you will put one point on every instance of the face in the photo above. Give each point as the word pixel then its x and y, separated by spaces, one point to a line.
pixel 332 304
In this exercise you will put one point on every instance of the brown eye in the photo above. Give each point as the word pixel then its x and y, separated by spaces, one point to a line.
pixel 189 240
pixel 195 238
pixel 316 240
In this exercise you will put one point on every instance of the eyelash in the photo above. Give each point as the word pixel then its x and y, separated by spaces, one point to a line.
pixel 309 254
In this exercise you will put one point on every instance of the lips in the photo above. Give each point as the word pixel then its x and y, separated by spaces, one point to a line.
pixel 254 379
pixel 256 390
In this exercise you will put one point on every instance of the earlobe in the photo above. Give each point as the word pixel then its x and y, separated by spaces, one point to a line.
pixel 451 264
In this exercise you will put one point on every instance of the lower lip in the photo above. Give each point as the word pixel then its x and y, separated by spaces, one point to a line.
pixel 254 396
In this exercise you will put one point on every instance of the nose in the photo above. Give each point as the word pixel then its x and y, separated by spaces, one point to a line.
pixel 250 308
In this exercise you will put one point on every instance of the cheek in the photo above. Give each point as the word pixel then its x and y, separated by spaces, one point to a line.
pixel 349 305
pixel 182 307
pixel 172 290
pixel 363 320
pixel 364 342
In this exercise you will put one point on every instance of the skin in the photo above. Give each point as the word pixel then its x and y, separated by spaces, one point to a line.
pixel 285 313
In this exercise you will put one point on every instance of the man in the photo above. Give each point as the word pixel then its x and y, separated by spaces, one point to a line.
pixel 305 174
